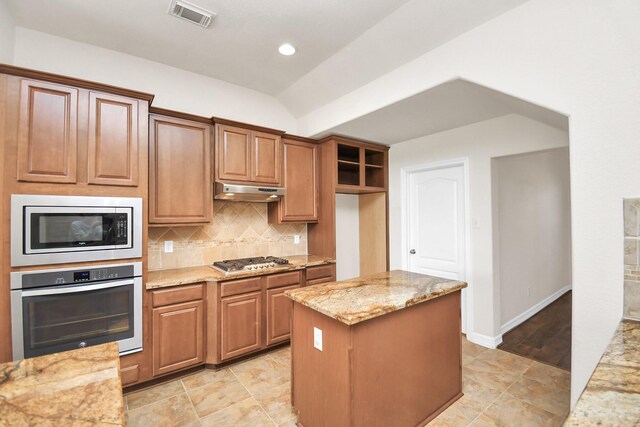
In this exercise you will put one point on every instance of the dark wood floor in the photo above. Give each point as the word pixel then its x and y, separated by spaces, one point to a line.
pixel 545 337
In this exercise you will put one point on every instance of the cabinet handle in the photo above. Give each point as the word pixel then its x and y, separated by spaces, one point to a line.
pixel 412 251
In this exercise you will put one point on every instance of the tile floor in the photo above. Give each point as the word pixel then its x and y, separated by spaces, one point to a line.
pixel 500 389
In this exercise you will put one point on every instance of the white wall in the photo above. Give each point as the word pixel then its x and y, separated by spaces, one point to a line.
pixel 175 89
pixel 347 236
pixel 7 34
pixel 578 57
pixel 533 222
pixel 478 142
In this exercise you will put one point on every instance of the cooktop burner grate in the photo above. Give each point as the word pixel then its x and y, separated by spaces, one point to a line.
pixel 249 264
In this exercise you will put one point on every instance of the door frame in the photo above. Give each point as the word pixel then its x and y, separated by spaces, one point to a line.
pixel 405 175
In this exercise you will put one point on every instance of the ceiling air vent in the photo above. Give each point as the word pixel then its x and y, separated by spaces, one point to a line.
pixel 191 13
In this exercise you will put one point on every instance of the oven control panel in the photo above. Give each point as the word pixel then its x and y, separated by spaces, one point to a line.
pixel 73 276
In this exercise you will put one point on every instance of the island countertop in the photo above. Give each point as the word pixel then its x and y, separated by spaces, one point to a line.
pixel 363 298
pixel 612 396
pixel 73 388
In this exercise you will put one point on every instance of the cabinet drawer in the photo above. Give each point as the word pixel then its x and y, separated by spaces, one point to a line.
pixel 321 272
pixel 236 287
pixel 130 375
pixel 320 280
pixel 283 279
pixel 177 295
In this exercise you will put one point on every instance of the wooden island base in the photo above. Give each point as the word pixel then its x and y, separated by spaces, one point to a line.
pixel 398 369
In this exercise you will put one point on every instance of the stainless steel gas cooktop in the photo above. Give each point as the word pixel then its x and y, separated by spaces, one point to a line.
pixel 249 264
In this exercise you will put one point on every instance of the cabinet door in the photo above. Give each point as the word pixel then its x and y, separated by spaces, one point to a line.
pixel 279 309
pixel 113 140
pixel 233 153
pixel 266 158
pixel 240 324
pixel 178 337
pixel 180 187
pixel 300 203
pixel 48 132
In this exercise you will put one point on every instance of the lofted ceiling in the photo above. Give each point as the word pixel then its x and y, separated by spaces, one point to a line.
pixel 240 47
pixel 447 106
pixel 340 43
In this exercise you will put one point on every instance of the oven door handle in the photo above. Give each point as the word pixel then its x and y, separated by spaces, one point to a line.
pixel 76 289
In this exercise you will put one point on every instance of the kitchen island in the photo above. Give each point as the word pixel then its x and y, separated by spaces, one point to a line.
pixel 380 350
pixel 73 388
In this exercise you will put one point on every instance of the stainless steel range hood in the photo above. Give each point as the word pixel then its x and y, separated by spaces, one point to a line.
pixel 247 193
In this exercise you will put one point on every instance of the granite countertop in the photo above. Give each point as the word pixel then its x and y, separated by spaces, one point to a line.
pixel 612 396
pixel 204 273
pixel 73 388
pixel 363 298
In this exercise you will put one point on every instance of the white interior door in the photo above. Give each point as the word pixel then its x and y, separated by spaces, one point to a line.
pixel 436 231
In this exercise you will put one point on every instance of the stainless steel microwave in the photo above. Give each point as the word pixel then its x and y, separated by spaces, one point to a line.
pixel 63 229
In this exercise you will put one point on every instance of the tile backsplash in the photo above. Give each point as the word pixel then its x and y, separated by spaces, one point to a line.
pixel 632 259
pixel 238 230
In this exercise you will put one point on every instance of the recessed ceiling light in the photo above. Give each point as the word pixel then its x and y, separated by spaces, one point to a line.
pixel 286 49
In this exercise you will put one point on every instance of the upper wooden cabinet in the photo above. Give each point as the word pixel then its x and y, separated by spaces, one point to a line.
pixel 58 122
pixel 353 167
pixel 300 202
pixel 180 186
pixel 47 132
pixel 247 156
pixel 113 140
pixel 233 153
pixel 361 167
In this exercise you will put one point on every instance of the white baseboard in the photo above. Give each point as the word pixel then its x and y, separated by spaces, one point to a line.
pixel 533 310
pixel 485 340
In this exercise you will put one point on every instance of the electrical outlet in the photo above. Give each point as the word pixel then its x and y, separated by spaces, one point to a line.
pixel 296 239
pixel 168 246
pixel 475 223
pixel 317 338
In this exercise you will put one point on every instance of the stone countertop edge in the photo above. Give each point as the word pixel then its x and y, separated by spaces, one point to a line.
pixel 204 273
pixel 77 387
pixel 612 395
pixel 363 298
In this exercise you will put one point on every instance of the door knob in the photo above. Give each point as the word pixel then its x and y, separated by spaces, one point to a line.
pixel 412 251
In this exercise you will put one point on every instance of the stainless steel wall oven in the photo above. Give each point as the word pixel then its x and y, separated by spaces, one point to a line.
pixel 64 229
pixel 63 309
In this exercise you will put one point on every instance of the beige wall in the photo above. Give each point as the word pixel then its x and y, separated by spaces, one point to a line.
pixel 238 230
pixel 478 143
pixel 7 34
pixel 533 225
pixel 347 236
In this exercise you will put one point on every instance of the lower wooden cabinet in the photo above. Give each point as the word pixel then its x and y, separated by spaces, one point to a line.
pixel 252 314
pixel 240 324
pixel 279 308
pixel 242 316
pixel 130 375
pixel 320 274
pixel 178 329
